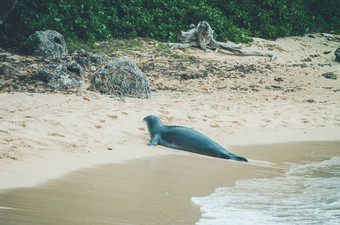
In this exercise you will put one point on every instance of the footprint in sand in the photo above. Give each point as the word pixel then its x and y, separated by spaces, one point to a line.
pixel 3 131
pixel 55 135
pixel 124 113
pixel 21 123
pixel 214 125
pixel 113 116
pixel 98 126
pixel 164 112
pixel 8 140
pixel 169 119
pixel 12 129
pixel 277 113
pixel 102 121
pixel 236 123
pixel 209 117
pixel 266 120
pixel 53 123
pixel 304 120
pixel 215 107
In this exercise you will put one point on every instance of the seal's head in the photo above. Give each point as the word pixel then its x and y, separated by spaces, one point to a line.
pixel 153 122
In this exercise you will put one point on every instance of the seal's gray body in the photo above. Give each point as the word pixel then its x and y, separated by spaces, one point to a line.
pixel 187 139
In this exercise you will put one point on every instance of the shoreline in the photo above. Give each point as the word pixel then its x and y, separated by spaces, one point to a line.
pixel 155 189
pixel 39 169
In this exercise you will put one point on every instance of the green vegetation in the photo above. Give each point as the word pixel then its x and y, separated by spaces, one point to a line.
pixel 31 44
pixel 235 20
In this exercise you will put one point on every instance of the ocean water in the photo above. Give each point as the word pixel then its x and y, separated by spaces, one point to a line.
pixel 305 195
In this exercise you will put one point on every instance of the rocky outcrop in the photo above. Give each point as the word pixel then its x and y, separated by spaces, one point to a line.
pixel 86 59
pixel 121 77
pixel 49 44
pixel 337 54
pixel 7 69
pixel 73 66
pixel 6 8
pixel 57 76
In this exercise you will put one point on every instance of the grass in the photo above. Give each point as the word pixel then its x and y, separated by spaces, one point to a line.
pixel 113 45
pixel 108 46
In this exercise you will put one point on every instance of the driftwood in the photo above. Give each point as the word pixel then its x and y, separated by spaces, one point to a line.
pixel 202 37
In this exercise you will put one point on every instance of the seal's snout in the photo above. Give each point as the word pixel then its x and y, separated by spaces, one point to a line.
pixel 148 118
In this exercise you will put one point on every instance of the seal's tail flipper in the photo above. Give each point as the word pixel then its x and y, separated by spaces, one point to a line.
pixel 238 158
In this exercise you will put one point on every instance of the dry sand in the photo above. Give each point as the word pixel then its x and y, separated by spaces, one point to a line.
pixel 44 136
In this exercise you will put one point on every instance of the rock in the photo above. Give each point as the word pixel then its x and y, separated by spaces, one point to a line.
pixel 331 37
pixel 330 75
pixel 311 101
pixel 34 66
pixel 273 87
pixel 7 70
pixel 6 8
pixel 337 54
pixel 245 69
pixel 314 55
pixel 121 77
pixel 56 76
pixel 49 44
pixel 268 67
pixel 278 79
pixel 308 59
pixel 93 68
pixel 85 58
pixel 73 66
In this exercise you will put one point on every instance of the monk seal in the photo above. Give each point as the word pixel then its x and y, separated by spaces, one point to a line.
pixel 186 139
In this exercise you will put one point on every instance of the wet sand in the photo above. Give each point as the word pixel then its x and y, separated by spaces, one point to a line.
pixel 153 190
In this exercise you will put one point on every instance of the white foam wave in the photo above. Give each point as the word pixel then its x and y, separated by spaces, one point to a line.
pixel 307 194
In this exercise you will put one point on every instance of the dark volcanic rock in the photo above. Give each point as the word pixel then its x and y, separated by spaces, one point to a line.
pixel 278 79
pixel 330 75
pixel 73 66
pixel 121 77
pixel 245 69
pixel 56 76
pixel 85 58
pixel 337 54
pixel 311 101
pixel 7 70
pixel 49 44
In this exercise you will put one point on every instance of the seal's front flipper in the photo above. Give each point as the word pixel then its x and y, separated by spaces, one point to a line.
pixel 154 141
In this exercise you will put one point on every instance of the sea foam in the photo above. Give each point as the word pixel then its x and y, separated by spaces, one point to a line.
pixel 306 194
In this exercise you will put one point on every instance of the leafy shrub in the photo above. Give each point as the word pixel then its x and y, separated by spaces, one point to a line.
pixel 30 44
pixel 235 20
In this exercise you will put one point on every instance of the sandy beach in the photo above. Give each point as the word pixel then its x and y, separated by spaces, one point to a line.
pixel 152 190
pixel 45 136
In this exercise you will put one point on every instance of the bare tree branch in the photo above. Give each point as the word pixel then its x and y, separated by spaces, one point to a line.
pixel 202 37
